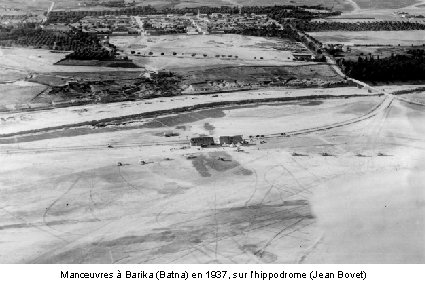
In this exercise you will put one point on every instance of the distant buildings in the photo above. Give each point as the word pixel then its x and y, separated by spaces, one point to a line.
pixel 408 16
pixel 205 141
pixel 303 56
pixel 202 141
pixel 103 23
pixel 333 47
pixel 228 140
pixel 109 24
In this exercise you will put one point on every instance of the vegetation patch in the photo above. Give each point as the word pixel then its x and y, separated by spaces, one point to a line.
pixel 218 162
pixel 395 68
pixel 99 63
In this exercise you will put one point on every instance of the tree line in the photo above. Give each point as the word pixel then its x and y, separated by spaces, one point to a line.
pixel 313 26
pixel 394 68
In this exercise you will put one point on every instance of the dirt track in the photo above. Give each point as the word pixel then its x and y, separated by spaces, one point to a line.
pixel 266 206
pixel 31 122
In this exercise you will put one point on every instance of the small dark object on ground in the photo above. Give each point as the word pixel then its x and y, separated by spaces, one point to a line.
pixel 360 155
pixel 170 134
pixel 223 159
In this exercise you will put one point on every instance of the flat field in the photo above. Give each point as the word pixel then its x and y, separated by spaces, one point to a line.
pixel 404 38
pixel 204 50
pixel 28 60
pixel 19 92
pixel 9 75
pixel 300 75
pixel 416 97
pixel 383 10
pixel 384 4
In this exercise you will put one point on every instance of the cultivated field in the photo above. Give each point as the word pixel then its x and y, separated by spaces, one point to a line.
pixel 189 205
pixel 404 38
pixel 202 50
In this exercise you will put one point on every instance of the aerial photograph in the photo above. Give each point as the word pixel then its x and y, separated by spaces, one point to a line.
pixel 212 132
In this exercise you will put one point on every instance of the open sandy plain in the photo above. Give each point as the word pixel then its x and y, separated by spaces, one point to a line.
pixel 364 202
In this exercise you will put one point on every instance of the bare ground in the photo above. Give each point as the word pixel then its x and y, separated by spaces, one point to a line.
pixel 263 205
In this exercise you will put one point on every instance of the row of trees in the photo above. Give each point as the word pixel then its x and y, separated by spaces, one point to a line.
pixel 85 46
pixel 37 37
pixel 299 12
pixel 395 68
pixel 266 31
pixel 309 26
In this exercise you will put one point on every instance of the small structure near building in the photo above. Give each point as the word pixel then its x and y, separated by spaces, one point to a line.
pixel 170 134
pixel 303 56
pixel 202 141
pixel 231 139
pixel 333 48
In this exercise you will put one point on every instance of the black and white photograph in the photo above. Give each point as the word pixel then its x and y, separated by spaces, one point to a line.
pixel 212 132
